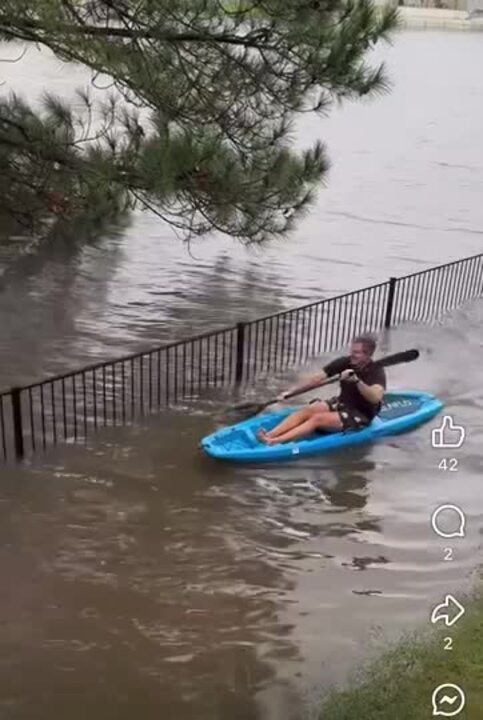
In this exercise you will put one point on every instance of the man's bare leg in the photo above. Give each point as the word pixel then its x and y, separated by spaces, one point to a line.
pixel 293 420
pixel 323 420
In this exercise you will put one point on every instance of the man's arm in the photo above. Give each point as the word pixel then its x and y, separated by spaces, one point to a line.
pixel 372 393
pixel 333 368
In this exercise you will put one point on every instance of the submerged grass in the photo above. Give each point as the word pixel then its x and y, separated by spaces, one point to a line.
pixel 400 685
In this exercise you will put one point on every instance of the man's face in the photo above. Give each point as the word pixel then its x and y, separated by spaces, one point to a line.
pixel 358 355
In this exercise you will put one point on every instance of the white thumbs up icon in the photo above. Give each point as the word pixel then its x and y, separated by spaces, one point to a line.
pixel 448 435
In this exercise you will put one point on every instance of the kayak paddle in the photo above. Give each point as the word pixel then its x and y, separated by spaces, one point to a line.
pixel 388 361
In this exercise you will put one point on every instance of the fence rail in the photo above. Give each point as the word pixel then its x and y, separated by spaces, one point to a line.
pixel 67 407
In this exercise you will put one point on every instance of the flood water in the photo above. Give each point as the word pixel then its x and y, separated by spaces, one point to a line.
pixel 141 577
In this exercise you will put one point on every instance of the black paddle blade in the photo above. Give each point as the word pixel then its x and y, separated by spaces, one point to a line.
pixel 400 357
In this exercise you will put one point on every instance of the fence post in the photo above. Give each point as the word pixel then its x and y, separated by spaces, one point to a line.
pixel 17 423
pixel 240 352
pixel 390 302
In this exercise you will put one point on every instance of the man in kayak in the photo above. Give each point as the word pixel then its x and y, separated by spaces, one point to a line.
pixel 362 389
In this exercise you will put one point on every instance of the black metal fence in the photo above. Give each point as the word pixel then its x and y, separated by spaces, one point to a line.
pixel 68 407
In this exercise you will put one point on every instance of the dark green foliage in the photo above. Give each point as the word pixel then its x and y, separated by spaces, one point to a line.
pixel 198 121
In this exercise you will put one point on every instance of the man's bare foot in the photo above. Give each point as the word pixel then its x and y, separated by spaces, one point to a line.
pixel 264 437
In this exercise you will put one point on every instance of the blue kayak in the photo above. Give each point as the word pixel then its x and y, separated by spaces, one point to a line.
pixel 401 411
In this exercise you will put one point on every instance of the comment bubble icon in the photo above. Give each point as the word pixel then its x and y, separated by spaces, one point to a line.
pixel 449 521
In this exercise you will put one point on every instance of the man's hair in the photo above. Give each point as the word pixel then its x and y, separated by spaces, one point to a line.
pixel 368 343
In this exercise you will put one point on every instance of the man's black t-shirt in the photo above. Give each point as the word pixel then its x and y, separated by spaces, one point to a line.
pixel 371 374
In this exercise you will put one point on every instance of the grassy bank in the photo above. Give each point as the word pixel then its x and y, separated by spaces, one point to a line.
pixel 399 686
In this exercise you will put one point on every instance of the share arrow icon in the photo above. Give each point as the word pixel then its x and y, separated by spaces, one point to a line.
pixel 449 611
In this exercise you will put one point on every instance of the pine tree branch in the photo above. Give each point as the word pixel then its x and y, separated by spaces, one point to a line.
pixel 223 89
pixel 26 29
